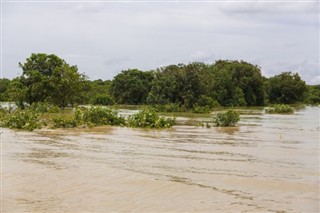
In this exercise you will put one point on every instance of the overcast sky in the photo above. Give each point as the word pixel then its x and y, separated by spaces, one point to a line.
pixel 103 38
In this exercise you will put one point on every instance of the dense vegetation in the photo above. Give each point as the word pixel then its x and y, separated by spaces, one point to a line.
pixel 196 87
pixel 30 119
pixel 280 109
pixel 48 83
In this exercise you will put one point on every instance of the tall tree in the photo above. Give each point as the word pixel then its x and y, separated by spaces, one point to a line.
pixel 131 86
pixel 286 88
pixel 49 78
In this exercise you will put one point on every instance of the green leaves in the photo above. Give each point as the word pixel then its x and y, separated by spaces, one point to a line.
pixel 148 118
pixel 21 119
pixel 47 78
pixel 228 118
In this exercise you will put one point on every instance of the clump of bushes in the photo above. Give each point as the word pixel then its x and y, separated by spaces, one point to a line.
pixel 43 107
pixel 21 119
pixel 95 116
pixel 61 122
pixel 148 118
pixel 280 109
pixel 103 100
pixel 201 109
pixel 228 118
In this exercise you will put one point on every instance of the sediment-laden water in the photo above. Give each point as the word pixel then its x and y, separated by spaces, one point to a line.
pixel 269 163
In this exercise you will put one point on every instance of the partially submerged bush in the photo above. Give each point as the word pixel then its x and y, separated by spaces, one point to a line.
pixel 280 109
pixel 228 118
pixel 149 118
pixel 98 116
pixel 201 109
pixel 21 119
pixel 61 122
pixel 43 107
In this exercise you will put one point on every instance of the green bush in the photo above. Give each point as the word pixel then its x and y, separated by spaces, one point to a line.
pixel 103 100
pixel 43 107
pixel 149 118
pixel 201 109
pixel 61 122
pixel 97 116
pixel 228 118
pixel 280 109
pixel 205 101
pixel 21 119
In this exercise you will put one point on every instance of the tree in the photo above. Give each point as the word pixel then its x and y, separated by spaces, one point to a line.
pixel 286 88
pixel 238 84
pixel 131 86
pixel 168 85
pixel 48 78
pixel 4 87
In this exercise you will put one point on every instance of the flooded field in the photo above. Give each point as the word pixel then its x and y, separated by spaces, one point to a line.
pixel 269 163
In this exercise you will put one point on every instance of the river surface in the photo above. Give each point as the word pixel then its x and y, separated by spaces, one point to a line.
pixel 269 163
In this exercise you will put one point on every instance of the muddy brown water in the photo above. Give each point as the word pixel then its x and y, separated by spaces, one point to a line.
pixel 269 163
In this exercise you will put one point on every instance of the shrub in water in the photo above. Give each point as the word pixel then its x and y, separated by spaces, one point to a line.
pixel 21 119
pixel 43 107
pixel 201 109
pixel 228 118
pixel 149 118
pixel 280 109
pixel 60 122
pixel 98 116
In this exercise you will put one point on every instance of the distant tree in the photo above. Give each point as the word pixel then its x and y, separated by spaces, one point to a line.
pixel 131 86
pixel 168 85
pixel 286 88
pixel 4 87
pixel 48 78
pixel 313 94
pixel 238 84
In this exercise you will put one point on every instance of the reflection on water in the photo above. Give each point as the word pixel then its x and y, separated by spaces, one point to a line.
pixel 269 163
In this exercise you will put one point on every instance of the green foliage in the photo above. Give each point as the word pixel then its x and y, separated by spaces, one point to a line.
pixel 131 86
pixel 238 84
pixel 206 101
pixel 286 88
pixel 171 107
pixel 21 119
pixel 61 122
pixel 313 95
pixel 280 109
pixel 43 107
pixel 101 99
pixel 201 109
pixel 4 88
pixel 228 118
pixel 148 118
pixel 97 116
pixel 47 78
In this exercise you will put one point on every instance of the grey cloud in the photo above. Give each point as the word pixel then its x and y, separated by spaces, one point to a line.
pixel 105 38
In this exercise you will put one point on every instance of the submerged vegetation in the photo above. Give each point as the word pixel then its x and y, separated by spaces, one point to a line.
pixel 29 119
pixel 21 119
pixel 280 109
pixel 149 118
pixel 48 84
pixel 228 118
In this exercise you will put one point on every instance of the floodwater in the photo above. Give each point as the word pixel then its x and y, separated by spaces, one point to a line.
pixel 269 163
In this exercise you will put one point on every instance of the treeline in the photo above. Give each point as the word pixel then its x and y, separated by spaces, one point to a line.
pixel 48 78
